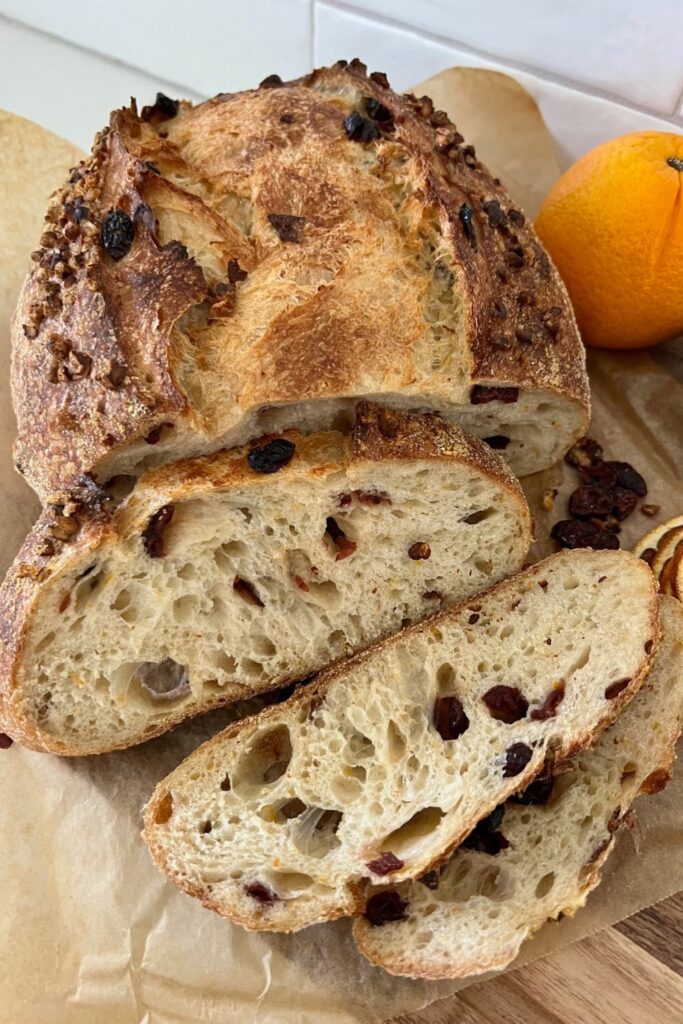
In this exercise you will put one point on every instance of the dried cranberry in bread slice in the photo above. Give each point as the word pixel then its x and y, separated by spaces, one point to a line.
pixel 236 573
pixel 266 258
pixel 543 855
pixel 387 761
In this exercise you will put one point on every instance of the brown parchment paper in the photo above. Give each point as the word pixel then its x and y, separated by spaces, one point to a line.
pixel 89 931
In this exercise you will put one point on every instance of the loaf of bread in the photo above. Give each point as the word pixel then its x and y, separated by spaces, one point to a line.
pixel 236 573
pixel 386 762
pixel 260 261
pixel 542 857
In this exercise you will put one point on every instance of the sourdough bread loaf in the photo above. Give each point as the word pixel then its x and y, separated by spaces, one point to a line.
pixel 545 856
pixel 260 261
pixel 386 762
pixel 236 573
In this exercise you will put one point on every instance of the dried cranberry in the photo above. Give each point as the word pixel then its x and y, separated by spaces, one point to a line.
pixel 575 533
pixel 384 907
pixel 614 689
pixel 118 232
pixel 537 792
pixel 625 502
pixel 485 837
pixel 430 880
pixel 371 498
pixel 344 546
pixel 516 217
pixel 493 212
pixel 259 891
pixel 586 452
pixel 359 128
pixel 419 551
pixel 589 501
pixel 162 109
pixel 5 741
pixel 548 709
pixel 287 227
pixel 385 864
pixel 497 441
pixel 235 272
pixel 271 457
pixel 602 474
pixel 465 214
pixel 377 111
pixel 629 478
pixel 450 720
pixel 480 395
pixel 505 704
pixel 247 591
pixel 153 534
pixel 516 759
pixel 271 82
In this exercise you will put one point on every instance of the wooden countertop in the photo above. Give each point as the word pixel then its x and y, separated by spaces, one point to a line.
pixel 629 974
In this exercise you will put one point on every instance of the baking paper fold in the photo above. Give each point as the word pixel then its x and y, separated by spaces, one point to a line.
pixel 89 930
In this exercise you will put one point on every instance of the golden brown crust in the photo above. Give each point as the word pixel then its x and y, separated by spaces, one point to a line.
pixel 411 207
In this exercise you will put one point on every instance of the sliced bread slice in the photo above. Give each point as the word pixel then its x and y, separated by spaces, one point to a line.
pixel 544 855
pixel 387 761
pixel 234 574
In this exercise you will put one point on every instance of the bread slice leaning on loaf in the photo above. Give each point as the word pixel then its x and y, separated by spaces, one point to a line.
pixel 387 761
pixel 264 259
pixel 545 856
pixel 234 574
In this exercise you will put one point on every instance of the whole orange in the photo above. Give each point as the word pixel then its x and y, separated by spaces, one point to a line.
pixel 613 224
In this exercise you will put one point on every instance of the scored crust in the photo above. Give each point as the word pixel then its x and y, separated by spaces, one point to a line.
pixel 353 269
pixel 65 534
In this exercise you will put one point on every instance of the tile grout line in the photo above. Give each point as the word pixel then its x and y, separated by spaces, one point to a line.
pixel 502 62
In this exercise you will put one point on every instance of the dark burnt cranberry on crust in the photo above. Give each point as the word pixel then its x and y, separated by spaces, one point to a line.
pixel 271 82
pixel 465 215
pixel 287 226
pixel 506 704
pixel 450 720
pixel 481 395
pixel 359 128
pixel 385 864
pixel 153 534
pixel 377 111
pixel 118 232
pixel 271 457
pixel 517 758
pixel 384 907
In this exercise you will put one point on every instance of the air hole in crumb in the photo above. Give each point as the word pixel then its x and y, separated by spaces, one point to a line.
pixel 407 839
pixel 479 517
pixel 315 834
pixel 545 885
pixel 445 678
pixel 266 760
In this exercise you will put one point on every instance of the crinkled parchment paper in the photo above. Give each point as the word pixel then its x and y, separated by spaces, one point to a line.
pixel 90 932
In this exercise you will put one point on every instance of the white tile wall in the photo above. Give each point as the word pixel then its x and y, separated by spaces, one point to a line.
pixel 577 119
pixel 208 46
pixel 598 68
pixel 66 89
pixel 625 48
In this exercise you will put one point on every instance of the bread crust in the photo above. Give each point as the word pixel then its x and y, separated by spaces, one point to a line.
pixel 99 359
pixel 379 435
